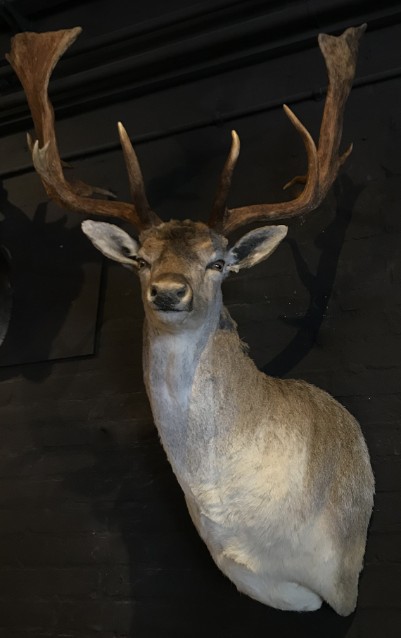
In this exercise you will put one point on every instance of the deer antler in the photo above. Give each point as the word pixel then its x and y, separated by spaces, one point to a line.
pixel 33 57
pixel 340 54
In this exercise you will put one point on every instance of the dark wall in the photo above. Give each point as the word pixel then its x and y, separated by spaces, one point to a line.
pixel 95 537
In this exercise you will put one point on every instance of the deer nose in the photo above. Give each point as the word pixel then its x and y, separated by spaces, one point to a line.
pixel 171 292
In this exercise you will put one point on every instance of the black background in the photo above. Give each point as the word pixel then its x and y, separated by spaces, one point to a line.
pixel 95 539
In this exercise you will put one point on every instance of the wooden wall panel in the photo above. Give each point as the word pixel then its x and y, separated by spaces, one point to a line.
pixel 95 537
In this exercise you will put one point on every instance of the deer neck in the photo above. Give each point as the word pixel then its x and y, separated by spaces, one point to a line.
pixel 185 382
pixel 170 363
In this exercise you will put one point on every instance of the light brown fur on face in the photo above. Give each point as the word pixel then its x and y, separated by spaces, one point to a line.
pixel 187 249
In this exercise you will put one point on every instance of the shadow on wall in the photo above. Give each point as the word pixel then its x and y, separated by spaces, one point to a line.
pixel 54 286
pixel 319 284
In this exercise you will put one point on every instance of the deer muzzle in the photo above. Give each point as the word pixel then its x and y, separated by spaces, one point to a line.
pixel 170 293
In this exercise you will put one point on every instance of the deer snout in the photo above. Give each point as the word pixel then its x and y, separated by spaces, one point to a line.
pixel 170 292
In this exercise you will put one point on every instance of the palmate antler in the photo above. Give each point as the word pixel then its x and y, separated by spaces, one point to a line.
pixel 340 54
pixel 33 57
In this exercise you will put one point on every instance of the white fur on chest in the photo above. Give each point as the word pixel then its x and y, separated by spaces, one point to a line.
pixel 243 487
pixel 227 476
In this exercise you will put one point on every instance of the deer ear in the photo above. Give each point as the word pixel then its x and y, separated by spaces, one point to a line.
pixel 112 241
pixel 255 247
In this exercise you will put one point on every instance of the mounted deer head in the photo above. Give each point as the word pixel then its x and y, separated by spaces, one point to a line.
pixel 275 473
pixel 34 56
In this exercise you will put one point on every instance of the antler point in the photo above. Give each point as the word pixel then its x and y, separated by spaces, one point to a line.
pixel 235 143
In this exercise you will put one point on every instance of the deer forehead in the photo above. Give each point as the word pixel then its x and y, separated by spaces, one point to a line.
pixel 187 241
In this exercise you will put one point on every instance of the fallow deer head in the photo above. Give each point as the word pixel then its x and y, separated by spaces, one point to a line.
pixel 182 264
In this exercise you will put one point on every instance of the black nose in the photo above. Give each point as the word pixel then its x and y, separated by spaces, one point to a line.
pixel 171 292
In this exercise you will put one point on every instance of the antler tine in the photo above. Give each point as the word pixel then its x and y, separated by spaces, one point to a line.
pixel 219 208
pixel 137 187
pixel 33 57
pixel 340 54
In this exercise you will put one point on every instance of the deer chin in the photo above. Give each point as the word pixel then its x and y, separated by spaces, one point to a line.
pixel 171 317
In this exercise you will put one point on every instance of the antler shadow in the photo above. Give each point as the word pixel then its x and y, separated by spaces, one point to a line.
pixel 44 288
pixel 319 284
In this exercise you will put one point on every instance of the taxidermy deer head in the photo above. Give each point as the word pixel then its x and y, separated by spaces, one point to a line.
pixel 275 473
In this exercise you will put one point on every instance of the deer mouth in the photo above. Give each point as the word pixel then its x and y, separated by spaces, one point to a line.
pixel 171 314
pixel 171 310
pixel 166 305
pixel 167 308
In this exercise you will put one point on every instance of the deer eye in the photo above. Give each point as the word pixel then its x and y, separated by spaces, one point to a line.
pixel 217 265
pixel 141 263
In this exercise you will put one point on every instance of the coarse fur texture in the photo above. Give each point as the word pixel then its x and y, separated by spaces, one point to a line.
pixel 276 473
